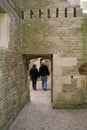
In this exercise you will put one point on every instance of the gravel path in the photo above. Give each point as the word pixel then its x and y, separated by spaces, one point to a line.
pixel 39 115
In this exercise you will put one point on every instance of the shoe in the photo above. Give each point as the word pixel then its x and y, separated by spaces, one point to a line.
pixel 35 89
pixel 44 89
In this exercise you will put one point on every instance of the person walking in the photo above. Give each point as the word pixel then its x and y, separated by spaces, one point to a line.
pixel 34 75
pixel 44 73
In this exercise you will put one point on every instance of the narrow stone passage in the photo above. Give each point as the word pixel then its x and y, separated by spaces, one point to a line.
pixel 39 115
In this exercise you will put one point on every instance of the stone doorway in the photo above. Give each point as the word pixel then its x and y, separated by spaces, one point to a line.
pixel 29 59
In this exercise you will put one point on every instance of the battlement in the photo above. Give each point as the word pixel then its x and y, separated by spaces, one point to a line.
pixel 51 12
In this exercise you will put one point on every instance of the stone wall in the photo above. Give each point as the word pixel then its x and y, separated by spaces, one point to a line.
pixel 13 78
pixel 51 34
pixel 74 2
pixel 69 88
pixel 56 27
pixel 47 27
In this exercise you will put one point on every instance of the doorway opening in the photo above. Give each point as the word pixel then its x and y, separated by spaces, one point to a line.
pixel 37 59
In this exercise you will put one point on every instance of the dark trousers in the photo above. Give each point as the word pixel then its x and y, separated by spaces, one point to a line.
pixel 34 81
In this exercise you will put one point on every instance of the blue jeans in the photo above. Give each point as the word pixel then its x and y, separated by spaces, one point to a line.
pixel 44 82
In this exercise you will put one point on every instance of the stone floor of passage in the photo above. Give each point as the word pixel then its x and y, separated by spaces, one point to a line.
pixel 39 115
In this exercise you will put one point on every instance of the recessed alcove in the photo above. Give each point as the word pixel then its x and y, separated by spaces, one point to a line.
pixel 4 30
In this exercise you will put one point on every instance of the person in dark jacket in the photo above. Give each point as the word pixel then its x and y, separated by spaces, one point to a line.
pixel 44 73
pixel 34 75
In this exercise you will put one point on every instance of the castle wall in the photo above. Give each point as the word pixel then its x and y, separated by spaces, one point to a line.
pixel 13 93
pixel 47 27
pixel 55 27
pixel 74 2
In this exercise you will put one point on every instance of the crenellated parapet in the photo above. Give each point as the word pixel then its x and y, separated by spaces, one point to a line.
pixel 51 12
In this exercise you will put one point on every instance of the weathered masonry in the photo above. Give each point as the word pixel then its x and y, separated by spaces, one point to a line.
pixel 31 13
pixel 51 29
pixel 13 92
pixel 56 28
